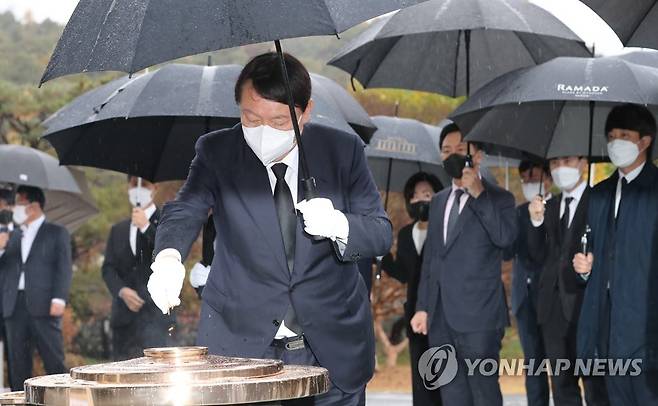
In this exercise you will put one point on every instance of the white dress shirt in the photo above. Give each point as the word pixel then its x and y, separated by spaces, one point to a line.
pixel 419 236
pixel 133 228
pixel 451 200
pixel 576 194
pixel 630 176
pixel 29 233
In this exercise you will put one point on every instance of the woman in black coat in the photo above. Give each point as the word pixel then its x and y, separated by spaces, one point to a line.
pixel 405 267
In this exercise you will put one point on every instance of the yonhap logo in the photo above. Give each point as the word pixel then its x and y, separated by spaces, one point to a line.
pixel 581 90
pixel 438 366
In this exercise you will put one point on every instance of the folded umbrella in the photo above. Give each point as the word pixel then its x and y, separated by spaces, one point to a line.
pixel 454 47
pixel 147 125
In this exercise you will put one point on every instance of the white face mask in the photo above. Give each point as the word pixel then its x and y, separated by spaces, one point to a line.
pixel 268 143
pixel 566 177
pixel 140 196
pixel 531 190
pixel 623 153
pixel 19 214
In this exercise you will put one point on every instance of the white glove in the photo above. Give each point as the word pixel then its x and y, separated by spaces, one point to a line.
pixel 167 278
pixel 199 275
pixel 321 219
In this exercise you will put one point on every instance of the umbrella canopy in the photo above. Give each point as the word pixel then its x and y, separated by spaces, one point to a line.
pixel 130 35
pixel 148 125
pixel 648 57
pixel 68 199
pixel 71 210
pixel 400 148
pixel 21 165
pixel 634 22
pixel 556 108
pixel 452 47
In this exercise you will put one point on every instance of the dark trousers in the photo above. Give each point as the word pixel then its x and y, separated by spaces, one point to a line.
pixel 305 356
pixel 633 390
pixel 24 332
pixel 418 344
pixel 476 389
pixel 532 342
pixel 148 329
pixel 560 342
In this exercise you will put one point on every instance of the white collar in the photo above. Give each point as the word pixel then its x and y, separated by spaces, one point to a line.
pixel 34 226
pixel 291 160
pixel 630 176
pixel 577 193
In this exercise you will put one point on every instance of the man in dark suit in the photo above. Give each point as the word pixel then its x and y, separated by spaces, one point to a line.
pixel 535 180
pixel 35 263
pixel 274 291
pixel 554 237
pixel 136 321
pixel 461 300
pixel 405 267
pixel 619 320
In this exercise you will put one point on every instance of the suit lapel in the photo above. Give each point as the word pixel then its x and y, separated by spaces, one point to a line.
pixel 464 216
pixel 253 186
pixel 37 240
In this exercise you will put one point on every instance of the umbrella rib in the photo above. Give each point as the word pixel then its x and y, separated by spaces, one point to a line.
pixel 454 82
pixel 100 31
pixel 550 142
pixel 646 14
pixel 139 37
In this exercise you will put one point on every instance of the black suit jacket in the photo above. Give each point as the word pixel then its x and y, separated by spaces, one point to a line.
pixel 405 268
pixel 463 275
pixel 250 287
pixel 121 268
pixel 48 270
pixel 559 284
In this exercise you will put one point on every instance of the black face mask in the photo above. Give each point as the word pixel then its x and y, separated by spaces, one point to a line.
pixel 454 165
pixel 420 211
pixel 5 217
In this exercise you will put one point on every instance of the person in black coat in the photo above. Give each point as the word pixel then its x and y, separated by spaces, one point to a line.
pixel 136 322
pixel 535 180
pixel 554 237
pixel 405 267
pixel 619 317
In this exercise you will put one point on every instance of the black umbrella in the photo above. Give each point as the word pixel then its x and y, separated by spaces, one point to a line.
pixel 635 22
pixel 400 148
pixel 453 47
pixel 129 35
pixel 147 125
pixel 68 201
pixel 558 108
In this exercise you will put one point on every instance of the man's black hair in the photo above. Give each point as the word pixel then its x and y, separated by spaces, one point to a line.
pixel 632 117
pixel 32 194
pixel 264 72
pixel 7 195
pixel 415 179
pixel 527 165
pixel 450 128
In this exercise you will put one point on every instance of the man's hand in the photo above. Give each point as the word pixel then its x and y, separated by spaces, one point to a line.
pixel 321 219
pixel 583 264
pixel 537 209
pixel 57 309
pixel 471 182
pixel 419 323
pixel 131 299
pixel 4 239
pixel 139 218
pixel 167 279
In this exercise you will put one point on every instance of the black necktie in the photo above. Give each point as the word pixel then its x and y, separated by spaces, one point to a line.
pixel 285 210
pixel 567 214
pixel 624 187
pixel 454 213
